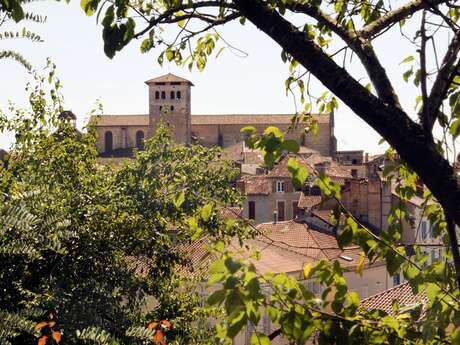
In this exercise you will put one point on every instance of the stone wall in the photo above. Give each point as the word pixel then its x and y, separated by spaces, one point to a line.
pixel 117 136
pixel 228 134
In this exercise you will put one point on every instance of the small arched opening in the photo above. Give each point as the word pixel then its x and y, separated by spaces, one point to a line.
pixel 108 141
pixel 163 95
pixel 140 140
pixel 178 95
pixel 172 95
pixel 157 94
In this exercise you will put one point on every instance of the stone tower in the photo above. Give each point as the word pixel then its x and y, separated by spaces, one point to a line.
pixel 169 100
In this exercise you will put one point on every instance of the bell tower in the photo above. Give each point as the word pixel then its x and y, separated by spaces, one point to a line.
pixel 169 100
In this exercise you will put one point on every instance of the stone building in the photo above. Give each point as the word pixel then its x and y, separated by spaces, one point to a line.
pixel 170 101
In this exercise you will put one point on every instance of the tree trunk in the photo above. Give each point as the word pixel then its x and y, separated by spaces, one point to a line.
pixel 392 123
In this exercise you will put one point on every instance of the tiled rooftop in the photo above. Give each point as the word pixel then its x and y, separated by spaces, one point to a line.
pixel 218 119
pixel 402 293
pixel 169 78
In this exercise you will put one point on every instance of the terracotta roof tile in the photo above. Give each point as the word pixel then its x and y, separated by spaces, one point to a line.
pixel 308 201
pixel 231 212
pixel 249 119
pixel 402 293
pixel 230 119
pixel 314 244
pixel 323 214
pixel 257 185
pixel 168 78
pixel 120 120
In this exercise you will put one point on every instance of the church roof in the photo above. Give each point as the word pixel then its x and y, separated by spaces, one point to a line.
pixel 228 119
pixel 168 78
pixel 120 120
pixel 249 119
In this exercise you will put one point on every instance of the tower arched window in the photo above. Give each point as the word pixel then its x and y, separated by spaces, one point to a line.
pixel 140 140
pixel 163 95
pixel 157 94
pixel 172 95
pixel 108 141
pixel 178 95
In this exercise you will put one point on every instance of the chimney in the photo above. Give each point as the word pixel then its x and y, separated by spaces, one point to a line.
pixel 275 217
pixel 366 157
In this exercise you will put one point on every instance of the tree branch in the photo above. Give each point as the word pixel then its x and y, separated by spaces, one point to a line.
pixel 391 122
pixel 363 48
pixel 186 6
pixel 423 75
pixel 443 80
pixel 395 16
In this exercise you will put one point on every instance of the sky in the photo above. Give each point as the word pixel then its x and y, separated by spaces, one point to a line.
pixel 229 84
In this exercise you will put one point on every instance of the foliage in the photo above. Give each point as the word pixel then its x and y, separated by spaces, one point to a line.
pixel 316 38
pixel 96 246
pixel 13 11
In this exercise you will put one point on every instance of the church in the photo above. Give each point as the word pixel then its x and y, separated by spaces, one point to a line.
pixel 170 101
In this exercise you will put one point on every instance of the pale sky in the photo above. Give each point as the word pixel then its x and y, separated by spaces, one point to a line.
pixel 229 84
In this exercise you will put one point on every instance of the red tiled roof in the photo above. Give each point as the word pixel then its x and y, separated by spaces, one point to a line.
pixel 257 185
pixel 250 119
pixel 231 212
pixel 168 78
pixel 402 293
pixel 323 214
pixel 302 239
pixel 308 201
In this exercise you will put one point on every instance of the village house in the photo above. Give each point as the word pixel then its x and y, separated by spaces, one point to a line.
pixel 272 194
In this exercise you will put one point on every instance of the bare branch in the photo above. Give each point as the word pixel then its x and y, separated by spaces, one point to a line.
pixel 423 74
pixel 391 122
pixel 361 47
pixel 443 81
pixel 395 16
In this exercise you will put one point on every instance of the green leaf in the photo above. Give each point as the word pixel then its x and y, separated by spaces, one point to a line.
pixel 259 339
pixel 179 199
pixel 407 59
pixel 206 211
pixel 216 297
pixel 291 145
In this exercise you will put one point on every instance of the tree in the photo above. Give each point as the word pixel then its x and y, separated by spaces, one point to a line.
pixel 315 37
pixel 92 244
pixel 13 11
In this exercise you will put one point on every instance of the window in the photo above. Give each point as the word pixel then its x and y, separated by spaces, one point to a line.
pixel 279 186
pixel 172 108
pixel 354 173
pixel 433 256
pixel 431 234
pixel 140 140
pixel 354 161
pixel 281 211
pixel 295 209
pixel 178 95
pixel 172 94
pixel 252 209
pixel 424 234
pixel 396 279
pixel 163 95
pixel 108 139
pixel 157 94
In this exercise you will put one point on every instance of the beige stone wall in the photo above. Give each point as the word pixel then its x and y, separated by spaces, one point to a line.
pixel 117 136
pixel 231 134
